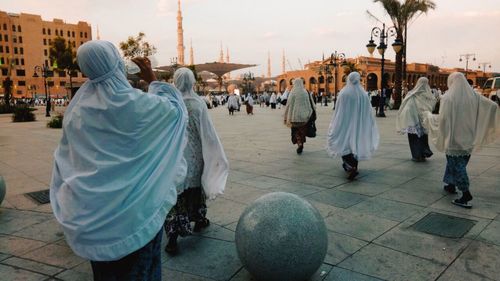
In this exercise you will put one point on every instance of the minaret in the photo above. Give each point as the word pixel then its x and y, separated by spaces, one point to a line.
pixel 268 64
pixel 98 35
pixel 283 65
pixel 180 36
pixel 191 53
pixel 221 55
pixel 227 61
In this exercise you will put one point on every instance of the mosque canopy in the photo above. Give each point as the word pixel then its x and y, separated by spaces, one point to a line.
pixel 220 69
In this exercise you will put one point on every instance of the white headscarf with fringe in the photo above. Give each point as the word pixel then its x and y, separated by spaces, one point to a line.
pixel 299 106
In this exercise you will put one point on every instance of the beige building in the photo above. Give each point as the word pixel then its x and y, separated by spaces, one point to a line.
pixel 370 70
pixel 25 42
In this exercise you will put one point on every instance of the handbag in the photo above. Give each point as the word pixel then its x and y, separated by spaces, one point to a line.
pixel 311 124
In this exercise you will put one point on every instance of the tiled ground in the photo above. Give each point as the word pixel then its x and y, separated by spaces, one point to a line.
pixel 370 220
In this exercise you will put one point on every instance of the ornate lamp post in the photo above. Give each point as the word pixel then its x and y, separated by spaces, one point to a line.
pixel 467 57
pixel 484 65
pixel 247 80
pixel 384 35
pixel 44 71
pixel 325 68
pixel 335 59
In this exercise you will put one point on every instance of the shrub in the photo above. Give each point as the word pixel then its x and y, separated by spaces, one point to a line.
pixel 6 109
pixel 23 113
pixel 56 121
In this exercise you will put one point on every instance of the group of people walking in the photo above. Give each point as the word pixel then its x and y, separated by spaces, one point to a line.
pixel 466 121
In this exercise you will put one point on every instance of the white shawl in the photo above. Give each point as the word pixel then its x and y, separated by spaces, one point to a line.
pixel 410 114
pixel 466 120
pixel 298 107
pixel 353 128
pixel 215 164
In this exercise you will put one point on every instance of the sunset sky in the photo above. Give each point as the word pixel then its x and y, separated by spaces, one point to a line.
pixel 305 29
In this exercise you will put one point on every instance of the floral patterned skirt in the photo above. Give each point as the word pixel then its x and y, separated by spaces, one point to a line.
pixel 456 171
pixel 190 207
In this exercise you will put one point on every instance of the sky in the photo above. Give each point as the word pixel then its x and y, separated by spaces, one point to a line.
pixel 304 29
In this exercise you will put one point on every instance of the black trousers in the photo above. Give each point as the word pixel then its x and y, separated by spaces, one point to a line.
pixel 419 146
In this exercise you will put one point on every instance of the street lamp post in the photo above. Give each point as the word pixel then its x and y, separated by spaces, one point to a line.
pixel 44 71
pixel 334 59
pixel 484 65
pixel 384 35
pixel 467 57
pixel 247 79
pixel 326 68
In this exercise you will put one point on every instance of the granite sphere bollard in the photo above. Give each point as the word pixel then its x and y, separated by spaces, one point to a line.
pixel 281 236
pixel 3 189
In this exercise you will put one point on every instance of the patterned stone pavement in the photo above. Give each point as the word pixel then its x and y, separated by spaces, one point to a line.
pixel 371 221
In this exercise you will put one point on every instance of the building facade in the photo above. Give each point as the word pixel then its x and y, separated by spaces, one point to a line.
pixel 370 69
pixel 25 41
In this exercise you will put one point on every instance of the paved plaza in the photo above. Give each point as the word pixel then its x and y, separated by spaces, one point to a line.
pixel 380 226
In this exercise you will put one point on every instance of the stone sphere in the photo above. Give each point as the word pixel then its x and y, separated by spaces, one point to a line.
pixel 281 236
pixel 2 189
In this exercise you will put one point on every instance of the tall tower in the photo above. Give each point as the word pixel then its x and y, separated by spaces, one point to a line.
pixel 180 35
pixel 227 61
pixel 221 55
pixel 191 53
pixel 98 35
pixel 283 65
pixel 268 64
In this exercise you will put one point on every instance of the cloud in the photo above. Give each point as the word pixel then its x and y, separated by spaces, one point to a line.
pixel 270 35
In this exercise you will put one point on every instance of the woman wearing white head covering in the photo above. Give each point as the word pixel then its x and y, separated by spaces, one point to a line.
pixel 466 122
pixel 273 100
pixel 410 118
pixel 299 113
pixel 353 133
pixel 249 103
pixel 118 166
pixel 207 166
pixel 232 103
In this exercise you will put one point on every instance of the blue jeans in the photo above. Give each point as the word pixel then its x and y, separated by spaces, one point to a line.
pixel 456 172
pixel 141 265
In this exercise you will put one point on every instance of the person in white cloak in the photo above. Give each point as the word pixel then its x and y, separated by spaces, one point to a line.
pixel 249 103
pixel 466 122
pixel 279 99
pixel 272 100
pixel 284 97
pixel 353 133
pixel 410 119
pixel 300 113
pixel 207 166
pixel 118 166
pixel 232 103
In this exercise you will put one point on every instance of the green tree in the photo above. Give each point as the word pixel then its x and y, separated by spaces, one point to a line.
pixel 63 57
pixel 137 47
pixel 401 14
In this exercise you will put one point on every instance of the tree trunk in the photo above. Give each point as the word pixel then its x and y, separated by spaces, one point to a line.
pixel 398 76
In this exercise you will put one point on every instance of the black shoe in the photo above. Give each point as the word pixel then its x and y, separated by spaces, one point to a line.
pixel 201 224
pixel 171 247
pixel 464 200
pixel 352 174
pixel 418 159
pixel 450 188
pixel 300 149
pixel 344 166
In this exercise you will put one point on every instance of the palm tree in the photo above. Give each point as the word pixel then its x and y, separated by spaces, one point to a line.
pixel 401 14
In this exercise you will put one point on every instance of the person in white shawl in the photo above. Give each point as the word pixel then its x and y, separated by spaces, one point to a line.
pixel 353 133
pixel 207 166
pixel 299 113
pixel 249 103
pixel 410 119
pixel 232 103
pixel 272 100
pixel 118 166
pixel 466 122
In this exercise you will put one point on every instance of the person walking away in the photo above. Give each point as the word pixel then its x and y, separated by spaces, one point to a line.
pixel 466 122
pixel 273 100
pixel 249 104
pixel 207 166
pixel 118 166
pixel 410 119
pixel 299 113
pixel 353 133
pixel 232 103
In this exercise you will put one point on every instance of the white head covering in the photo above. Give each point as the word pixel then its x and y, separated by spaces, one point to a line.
pixel 466 120
pixel 249 99
pixel 298 108
pixel 410 114
pixel 119 161
pixel 273 98
pixel 215 164
pixel 353 128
